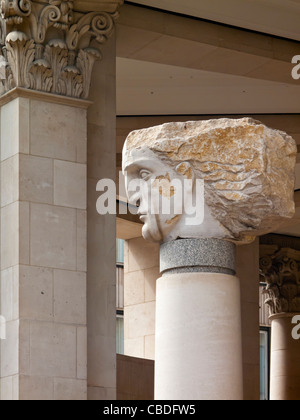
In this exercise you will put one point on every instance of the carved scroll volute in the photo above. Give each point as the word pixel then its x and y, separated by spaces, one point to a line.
pixel 46 46
pixel 13 11
pixel 42 21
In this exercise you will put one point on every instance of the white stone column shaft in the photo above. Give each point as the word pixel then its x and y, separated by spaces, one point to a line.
pixel 198 323
pixel 198 338
pixel 285 359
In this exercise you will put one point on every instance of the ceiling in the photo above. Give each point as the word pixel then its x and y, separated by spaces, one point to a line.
pixel 145 88
pixel 276 17
pixel 173 66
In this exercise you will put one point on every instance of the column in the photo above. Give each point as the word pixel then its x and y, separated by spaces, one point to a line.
pixel 205 187
pixel 281 271
pixel 198 319
pixel 101 245
pixel 48 55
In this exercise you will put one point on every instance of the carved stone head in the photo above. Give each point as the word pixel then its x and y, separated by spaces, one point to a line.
pixel 248 172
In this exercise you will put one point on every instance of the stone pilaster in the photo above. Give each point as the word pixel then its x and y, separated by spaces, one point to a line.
pixel 280 269
pixel 49 48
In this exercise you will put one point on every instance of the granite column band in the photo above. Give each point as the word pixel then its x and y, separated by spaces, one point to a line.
pixel 198 256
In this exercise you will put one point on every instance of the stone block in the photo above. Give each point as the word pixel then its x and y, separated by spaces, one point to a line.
pixel 36 388
pixel 52 350
pixel 69 297
pixel 142 254
pixel 10 235
pixel 134 288
pixel 70 184
pixel 36 293
pixel 135 347
pixel 9 129
pixel 70 390
pixel 141 320
pixel 57 131
pixel 36 179
pixel 53 237
pixel 10 180
pixel 10 293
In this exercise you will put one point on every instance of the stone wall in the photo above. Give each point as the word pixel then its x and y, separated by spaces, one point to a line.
pixel 141 270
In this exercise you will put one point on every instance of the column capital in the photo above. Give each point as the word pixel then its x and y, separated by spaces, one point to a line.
pixel 46 44
pixel 280 269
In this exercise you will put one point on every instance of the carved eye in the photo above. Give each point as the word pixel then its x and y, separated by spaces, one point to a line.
pixel 144 174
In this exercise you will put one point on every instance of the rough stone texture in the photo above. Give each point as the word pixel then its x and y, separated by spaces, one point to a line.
pixel 197 255
pixel 248 169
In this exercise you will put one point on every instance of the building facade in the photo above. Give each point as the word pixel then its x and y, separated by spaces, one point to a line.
pixel 76 78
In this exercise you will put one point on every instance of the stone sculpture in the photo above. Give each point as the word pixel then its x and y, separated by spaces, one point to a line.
pixel 248 171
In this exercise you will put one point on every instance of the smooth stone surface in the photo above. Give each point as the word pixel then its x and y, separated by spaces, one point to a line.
pixel 198 338
pixel 285 360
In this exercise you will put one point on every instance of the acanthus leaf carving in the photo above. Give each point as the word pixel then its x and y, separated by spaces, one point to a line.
pixel 85 62
pixel 73 81
pixel 41 75
pixel 56 54
pixel 281 271
pixel 20 55
pixel 60 65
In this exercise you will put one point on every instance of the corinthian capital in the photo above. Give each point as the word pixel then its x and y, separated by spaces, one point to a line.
pixel 46 44
pixel 281 272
